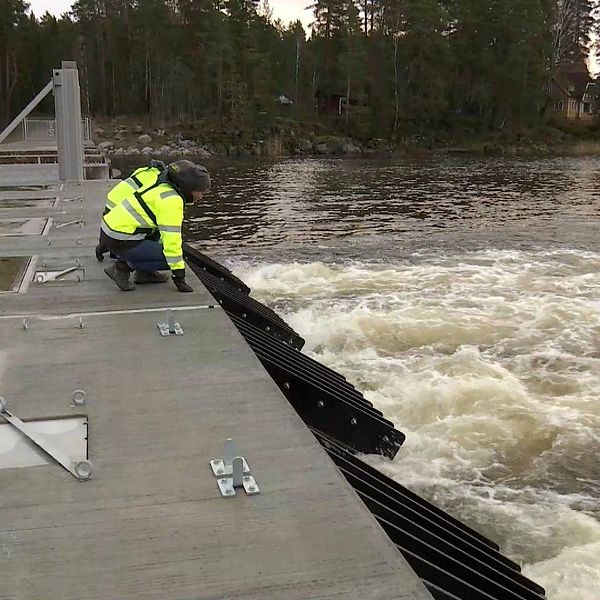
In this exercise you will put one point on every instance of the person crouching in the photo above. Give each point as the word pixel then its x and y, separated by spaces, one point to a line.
pixel 144 230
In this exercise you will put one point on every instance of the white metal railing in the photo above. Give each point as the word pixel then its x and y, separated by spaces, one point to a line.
pixel 27 110
pixel 72 132
pixel 45 129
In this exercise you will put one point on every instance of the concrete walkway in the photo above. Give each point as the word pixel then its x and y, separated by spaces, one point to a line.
pixel 151 523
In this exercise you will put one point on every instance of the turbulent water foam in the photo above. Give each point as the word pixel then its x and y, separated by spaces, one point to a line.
pixel 490 363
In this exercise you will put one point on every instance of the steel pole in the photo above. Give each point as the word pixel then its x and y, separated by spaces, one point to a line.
pixel 69 135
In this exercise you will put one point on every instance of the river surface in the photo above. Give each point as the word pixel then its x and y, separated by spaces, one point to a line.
pixel 462 296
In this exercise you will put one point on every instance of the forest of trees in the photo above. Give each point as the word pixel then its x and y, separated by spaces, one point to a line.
pixel 406 65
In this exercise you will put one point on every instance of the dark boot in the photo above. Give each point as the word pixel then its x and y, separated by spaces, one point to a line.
pixel 119 272
pixel 150 277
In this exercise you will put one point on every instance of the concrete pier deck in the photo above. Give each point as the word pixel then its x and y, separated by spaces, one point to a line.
pixel 151 523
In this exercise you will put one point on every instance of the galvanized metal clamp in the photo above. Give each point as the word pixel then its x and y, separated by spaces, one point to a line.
pixel 233 472
pixel 170 326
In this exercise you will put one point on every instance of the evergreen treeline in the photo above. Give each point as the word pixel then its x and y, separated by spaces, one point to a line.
pixel 406 65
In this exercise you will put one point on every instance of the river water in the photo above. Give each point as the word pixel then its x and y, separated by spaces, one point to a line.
pixel 462 297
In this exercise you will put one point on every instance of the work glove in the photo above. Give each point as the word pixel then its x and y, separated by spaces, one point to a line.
pixel 100 250
pixel 179 281
pixel 158 164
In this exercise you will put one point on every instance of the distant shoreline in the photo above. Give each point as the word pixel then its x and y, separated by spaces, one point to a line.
pixel 293 139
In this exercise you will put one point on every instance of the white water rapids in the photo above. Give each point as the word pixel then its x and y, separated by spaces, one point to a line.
pixel 461 295
pixel 489 361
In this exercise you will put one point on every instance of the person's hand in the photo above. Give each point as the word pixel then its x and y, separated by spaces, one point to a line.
pixel 179 281
pixel 158 164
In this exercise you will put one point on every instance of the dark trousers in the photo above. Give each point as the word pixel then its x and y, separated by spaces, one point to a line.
pixel 145 256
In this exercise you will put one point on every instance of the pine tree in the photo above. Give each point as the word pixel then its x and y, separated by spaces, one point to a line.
pixel 12 21
pixel 405 66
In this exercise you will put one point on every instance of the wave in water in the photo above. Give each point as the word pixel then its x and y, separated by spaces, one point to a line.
pixel 489 361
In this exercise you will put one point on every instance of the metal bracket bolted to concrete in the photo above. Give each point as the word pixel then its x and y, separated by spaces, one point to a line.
pixel 224 467
pixel 80 469
pixel 233 472
pixel 170 327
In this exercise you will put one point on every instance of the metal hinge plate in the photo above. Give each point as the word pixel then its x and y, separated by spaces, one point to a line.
pixel 233 472
pixel 228 489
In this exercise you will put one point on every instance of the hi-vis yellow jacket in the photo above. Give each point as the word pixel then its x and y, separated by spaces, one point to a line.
pixel 139 180
pixel 142 213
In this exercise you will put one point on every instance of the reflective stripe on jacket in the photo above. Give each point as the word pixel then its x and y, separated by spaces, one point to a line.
pixel 139 180
pixel 130 221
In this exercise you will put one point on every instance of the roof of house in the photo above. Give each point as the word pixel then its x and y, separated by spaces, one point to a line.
pixel 573 80
pixel 332 93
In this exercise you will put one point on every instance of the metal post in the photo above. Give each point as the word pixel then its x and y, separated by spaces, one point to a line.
pixel 69 135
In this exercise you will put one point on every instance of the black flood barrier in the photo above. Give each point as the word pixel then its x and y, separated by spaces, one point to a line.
pixel 453 560
pixel 237 303
pixel 196 259
pixel 323 399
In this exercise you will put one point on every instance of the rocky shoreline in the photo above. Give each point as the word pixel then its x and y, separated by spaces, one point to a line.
pixel 122 141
